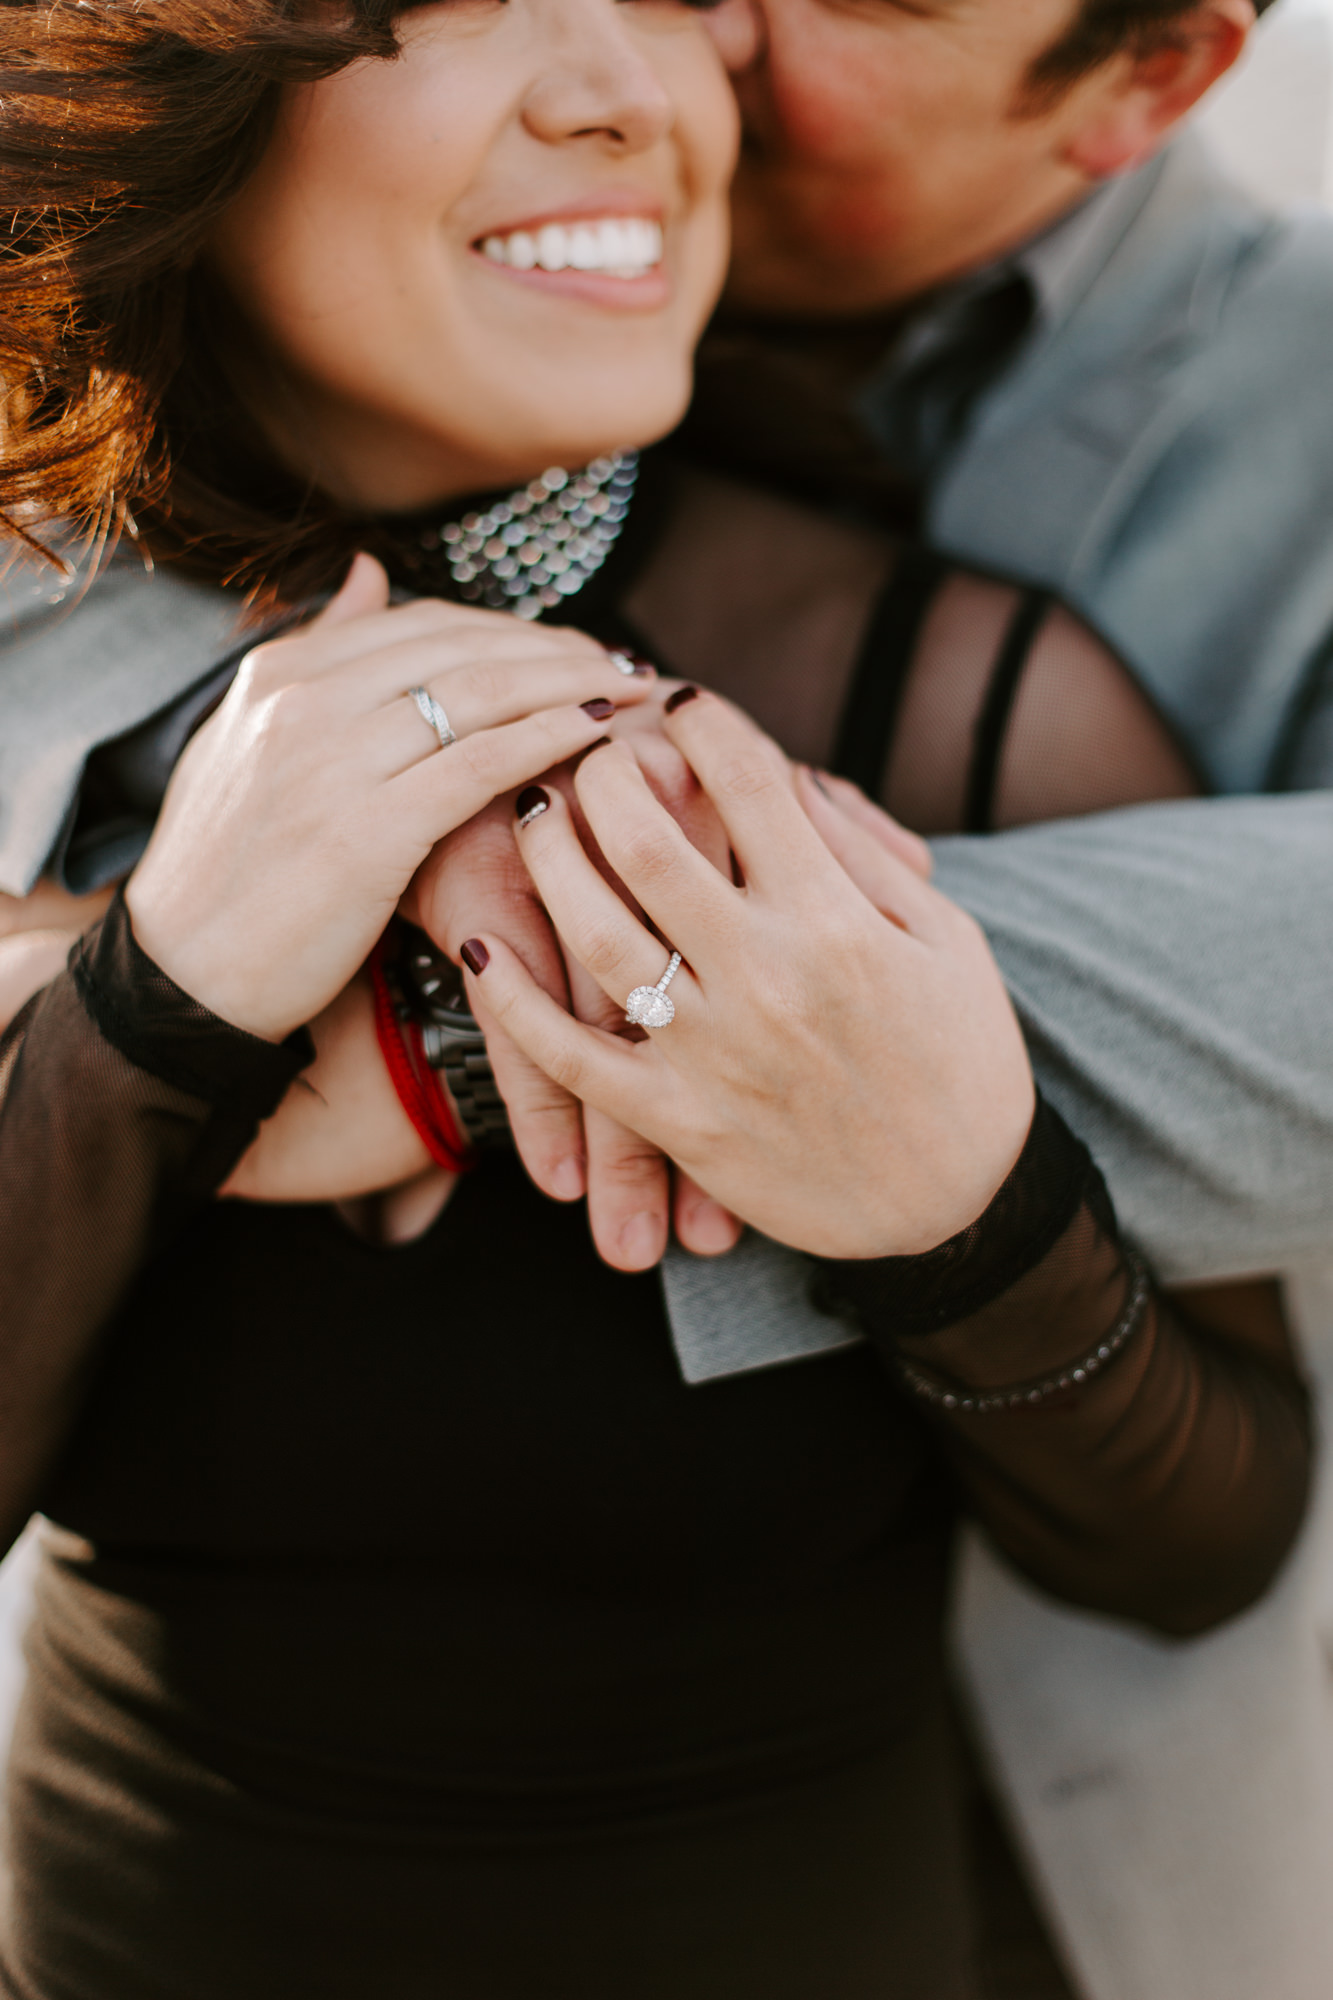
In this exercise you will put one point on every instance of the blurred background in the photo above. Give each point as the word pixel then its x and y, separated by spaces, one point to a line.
pixel 1271 120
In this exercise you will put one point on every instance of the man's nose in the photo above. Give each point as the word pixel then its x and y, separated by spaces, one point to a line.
pixel 596 82
pixel 737 28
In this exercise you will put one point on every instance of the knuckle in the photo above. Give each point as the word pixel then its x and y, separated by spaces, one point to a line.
pixel 650 852
pixel 566 1068
pixel 487 683
pixel 601 948
pixel 481 756
pixel 747 775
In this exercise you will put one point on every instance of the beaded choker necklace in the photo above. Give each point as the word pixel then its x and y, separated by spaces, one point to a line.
pixel 543 541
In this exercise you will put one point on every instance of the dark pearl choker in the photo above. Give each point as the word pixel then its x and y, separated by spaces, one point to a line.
pixel 543 541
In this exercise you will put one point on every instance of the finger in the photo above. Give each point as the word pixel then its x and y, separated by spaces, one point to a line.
pixel 351 628
pixel 593 919
pixel 628 1179
pixel 703 1226
pixel 674 785
pixel 625 1080
pixel 629 1197
pixel 748 779
pixel 364 590
pixel 547 1123
pixel 851 801
pixel 892 884
pixel 446 788
pixel 689 899
pixel 486 696
pixel 474 879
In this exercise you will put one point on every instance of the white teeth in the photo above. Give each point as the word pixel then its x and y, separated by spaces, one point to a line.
pixel 624 246
pixel 551 247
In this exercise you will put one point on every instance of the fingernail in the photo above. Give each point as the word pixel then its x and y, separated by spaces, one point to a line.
pixel 642 1240
pixel 712 1230
pixel 600 709
pixel 819 784
pixel 530 804
pixel 631 663
pixel 678 699
pixel 474 955
pixel 567 1178
pixel 591 747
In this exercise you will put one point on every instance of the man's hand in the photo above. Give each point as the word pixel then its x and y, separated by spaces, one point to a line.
pixel 475 879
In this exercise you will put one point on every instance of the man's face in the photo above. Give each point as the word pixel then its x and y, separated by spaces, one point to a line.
pixel 889 144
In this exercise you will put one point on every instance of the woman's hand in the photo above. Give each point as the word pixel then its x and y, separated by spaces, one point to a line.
pixel 301 811
pixel 850 1085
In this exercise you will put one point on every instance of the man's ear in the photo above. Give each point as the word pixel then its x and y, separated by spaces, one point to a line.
pixel 1131 102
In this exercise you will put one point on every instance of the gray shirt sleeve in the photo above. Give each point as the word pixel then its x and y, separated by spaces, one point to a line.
pixel 1173 969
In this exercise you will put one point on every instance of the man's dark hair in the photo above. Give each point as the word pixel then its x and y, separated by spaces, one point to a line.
pixel 1099 30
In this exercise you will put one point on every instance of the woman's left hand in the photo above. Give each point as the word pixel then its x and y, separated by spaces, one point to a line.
pixel 850 1079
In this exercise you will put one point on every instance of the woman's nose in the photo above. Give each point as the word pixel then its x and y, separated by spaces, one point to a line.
pixel 596 80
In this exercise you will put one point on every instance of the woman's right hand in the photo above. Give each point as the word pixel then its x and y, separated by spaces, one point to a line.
pixel 300 812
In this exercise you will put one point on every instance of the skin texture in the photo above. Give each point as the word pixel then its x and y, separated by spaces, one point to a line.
pixel 890 145
pixel 302 809
pixel 818 1053
pixel 402 365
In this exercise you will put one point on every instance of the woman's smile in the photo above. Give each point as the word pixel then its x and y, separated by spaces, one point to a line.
pixel 608 251
pixel 492 254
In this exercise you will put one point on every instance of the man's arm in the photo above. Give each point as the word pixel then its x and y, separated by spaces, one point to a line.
pixel 1173 969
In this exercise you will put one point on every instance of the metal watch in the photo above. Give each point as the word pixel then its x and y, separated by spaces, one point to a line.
pixel 432 987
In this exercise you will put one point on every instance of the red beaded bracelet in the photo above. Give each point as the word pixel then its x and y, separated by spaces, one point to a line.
pixel 420 1092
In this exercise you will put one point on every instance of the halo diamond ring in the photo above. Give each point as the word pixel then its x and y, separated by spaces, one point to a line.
pixel 651 1006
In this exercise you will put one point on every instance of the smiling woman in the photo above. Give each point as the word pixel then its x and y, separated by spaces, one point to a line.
pixel 295 272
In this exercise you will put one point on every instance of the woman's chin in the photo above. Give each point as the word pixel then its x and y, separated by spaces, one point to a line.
pixel 589 425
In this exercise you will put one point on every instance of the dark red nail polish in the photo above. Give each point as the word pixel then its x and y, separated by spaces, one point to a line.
pixel 600 709
pixel 591 747
pixel 626 662
pixel 531 801
pixel 679 699
pixel 474 955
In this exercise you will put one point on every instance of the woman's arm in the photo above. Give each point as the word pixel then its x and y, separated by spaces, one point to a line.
pixel 129 1087
pixel 122 1105
pixel 858 1088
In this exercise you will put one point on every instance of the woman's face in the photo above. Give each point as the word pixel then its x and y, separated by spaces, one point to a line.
pixel 492 254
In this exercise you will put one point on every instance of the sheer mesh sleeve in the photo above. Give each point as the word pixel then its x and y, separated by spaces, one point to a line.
pixel 123 1105
pixel 1166 1484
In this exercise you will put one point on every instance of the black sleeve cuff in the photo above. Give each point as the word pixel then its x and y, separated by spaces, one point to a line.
pixel 162 1030
pixel 905 1297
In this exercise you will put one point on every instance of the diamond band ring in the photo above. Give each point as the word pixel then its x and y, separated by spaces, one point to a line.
pixel 431 712
pixel 650 1006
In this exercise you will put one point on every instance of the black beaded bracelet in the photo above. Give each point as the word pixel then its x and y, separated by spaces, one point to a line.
pixel 937 1390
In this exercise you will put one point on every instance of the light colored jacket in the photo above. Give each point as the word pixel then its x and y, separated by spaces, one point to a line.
pixel 1161 456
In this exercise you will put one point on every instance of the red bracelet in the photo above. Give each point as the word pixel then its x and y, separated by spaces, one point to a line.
pixel 420 1092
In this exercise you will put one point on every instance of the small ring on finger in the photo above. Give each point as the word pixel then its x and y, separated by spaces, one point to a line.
pixel 652 1006
pixel 431 712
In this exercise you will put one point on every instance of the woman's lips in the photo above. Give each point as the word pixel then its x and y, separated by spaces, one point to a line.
pixel 609 260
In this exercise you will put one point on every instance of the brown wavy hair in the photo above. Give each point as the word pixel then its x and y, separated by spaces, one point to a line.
pixel 125 131
pixel 126 127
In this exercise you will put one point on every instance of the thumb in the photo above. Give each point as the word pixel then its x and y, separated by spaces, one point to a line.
pixel 364 589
